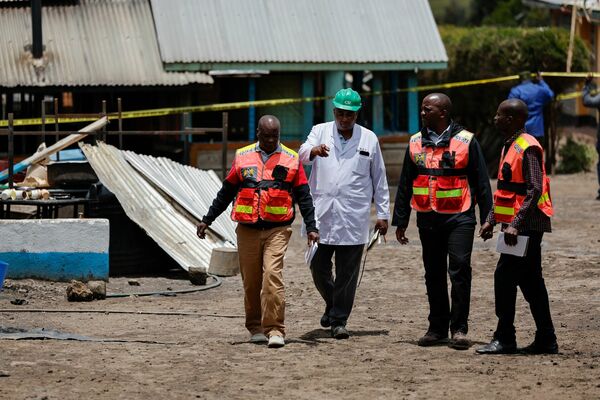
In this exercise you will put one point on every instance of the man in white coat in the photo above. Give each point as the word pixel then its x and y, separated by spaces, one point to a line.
pixel 348 173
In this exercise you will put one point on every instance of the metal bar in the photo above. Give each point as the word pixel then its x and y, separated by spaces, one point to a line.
pixel 11 151
pixel 194 132
pixel 43 121
pixel 37 47
pixel 224 144
pixel 103 135
pixel 120 111
pixel 56 129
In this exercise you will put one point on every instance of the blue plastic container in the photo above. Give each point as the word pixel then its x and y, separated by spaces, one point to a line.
pixel 3 268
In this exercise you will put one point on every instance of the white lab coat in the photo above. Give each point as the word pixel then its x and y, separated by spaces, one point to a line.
pixel 344 184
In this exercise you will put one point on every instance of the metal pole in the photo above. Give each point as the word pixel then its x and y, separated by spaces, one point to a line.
pixel 186 122
pixel 43 120
pixel 56 126
pixel 104 115
pixel 120 110
pixel 37 48
pixel 11 150
pixel 224 146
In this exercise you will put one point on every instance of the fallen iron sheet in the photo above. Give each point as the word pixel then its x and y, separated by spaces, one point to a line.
pixel 147 207
pixel 192 188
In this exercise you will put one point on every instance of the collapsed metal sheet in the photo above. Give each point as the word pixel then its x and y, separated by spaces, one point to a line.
pixel 148 208
pixel 192 188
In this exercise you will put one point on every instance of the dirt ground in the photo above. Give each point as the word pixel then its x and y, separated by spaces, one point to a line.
pixel 206 355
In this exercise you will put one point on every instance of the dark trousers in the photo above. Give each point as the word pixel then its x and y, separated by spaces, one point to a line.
pixel 338 293
pixel 448 251
pixel 525 272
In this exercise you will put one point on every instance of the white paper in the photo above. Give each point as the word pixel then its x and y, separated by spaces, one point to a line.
pixel 519 250
pixel 310 252
pixel 374 238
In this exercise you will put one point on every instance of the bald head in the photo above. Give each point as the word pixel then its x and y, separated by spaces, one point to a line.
pixel 441 100
pixel 436 110
pixel 268 122
pixel 511 116
pixel 268 133
pixel 516 108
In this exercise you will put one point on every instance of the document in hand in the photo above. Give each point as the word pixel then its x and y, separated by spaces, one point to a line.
pixel 310 252
pixel 519 250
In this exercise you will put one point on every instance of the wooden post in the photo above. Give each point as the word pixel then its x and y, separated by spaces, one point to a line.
pixel 571 37
pixel 43 120
pixel 104 137
pixel 57 138
pixel 224 145
pixel 11 150
pixel 120 110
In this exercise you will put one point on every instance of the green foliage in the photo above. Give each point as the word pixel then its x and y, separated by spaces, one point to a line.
pixel 488 52
pixel 515 13
pixel 575 157
pixel 457 12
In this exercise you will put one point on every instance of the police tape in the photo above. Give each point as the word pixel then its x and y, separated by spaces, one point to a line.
pixel 160 112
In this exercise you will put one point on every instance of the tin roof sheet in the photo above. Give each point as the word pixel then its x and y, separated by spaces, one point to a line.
pixel 291 31
pixel 95 43
pixel 150 209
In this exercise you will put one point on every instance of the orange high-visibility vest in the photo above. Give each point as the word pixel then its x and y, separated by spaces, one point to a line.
pixel 441 184
pixel 512 190
pixel 266 188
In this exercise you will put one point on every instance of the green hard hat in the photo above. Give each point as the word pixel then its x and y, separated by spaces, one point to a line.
pixel 347 99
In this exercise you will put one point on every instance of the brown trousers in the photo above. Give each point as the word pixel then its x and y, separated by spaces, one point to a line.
pixel 261 264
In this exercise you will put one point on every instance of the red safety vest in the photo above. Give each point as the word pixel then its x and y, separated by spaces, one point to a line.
pixel 265 191
pixel 511 192
pixel 441 184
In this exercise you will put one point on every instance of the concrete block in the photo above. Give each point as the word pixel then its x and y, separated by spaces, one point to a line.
pixel 55 249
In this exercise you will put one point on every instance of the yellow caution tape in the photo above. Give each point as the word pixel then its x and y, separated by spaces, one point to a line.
pixel 159 112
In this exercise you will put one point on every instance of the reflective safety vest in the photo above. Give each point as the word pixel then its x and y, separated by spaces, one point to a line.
pixel 265 191
pixel 512 190
pixel 441 184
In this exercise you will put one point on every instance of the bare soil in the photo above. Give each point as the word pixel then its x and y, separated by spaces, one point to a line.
pixel 207 355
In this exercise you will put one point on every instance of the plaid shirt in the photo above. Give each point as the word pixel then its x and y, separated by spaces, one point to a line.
pixel 529 217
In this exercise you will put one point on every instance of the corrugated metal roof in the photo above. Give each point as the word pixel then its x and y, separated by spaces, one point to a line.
pixel 308 31
pixel 148 208
pixel 593 5
pixel 96 43
pixel 192 188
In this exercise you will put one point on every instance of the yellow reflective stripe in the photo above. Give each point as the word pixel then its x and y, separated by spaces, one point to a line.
pixel 276 210
pixel 521 142
pixel 544 198
pixel 443 194
pixel 243 209
pixel 421 191
pixel 504 210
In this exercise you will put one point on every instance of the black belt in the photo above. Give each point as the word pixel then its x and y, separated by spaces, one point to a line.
pixel 267 184
pixel 442 172
pixel 518 188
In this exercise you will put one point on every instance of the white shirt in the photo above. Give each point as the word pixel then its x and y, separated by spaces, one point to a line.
pixel 344 184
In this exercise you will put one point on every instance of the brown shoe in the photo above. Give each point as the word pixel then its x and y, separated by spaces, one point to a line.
pixel 432 339
pixel 459 341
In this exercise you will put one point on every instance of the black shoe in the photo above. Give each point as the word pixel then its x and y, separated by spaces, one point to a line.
pixel 539 348
pixel 339 332
pixel 325 321
pixel 497 347
pixel 432 339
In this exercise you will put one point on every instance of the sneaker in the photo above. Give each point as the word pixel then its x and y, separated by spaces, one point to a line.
pixel 432 339
pixel 276 341
pixel 539 348
pixel 339 332
pixel 459 341
pixel 325 321
pixel 258 338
